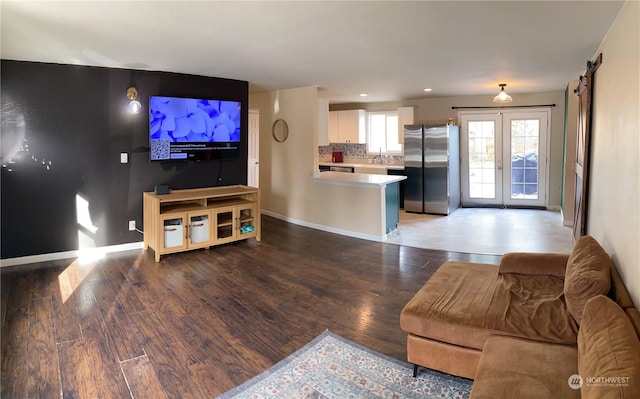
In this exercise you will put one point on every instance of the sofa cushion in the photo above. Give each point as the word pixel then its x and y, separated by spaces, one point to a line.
pixel 516 368
pixel 452 304
pixel 534 263
pixel 464 303
pixel 588 274
pixel 533 307
pixel 608 352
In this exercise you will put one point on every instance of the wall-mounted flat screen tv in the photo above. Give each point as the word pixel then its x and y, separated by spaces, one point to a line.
pixel 193 129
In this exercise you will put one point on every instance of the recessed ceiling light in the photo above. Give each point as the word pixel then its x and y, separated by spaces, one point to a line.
pixel 363 94
pixel 427 89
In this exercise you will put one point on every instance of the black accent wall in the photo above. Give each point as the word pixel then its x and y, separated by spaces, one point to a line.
pixel 64 127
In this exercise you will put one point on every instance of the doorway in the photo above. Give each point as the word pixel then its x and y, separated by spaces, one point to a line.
pixel 504 158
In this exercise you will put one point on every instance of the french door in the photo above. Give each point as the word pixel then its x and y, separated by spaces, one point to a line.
pixel 504 157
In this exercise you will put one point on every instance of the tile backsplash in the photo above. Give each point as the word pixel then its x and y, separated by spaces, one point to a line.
pixel 351 151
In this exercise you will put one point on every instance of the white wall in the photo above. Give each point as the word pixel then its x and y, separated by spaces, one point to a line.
pixel 286 170
pixel 284 167
pixel 438 110
pixel 614 207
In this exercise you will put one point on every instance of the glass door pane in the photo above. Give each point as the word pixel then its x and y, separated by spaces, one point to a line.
pixel 198 229
pixel 482 159
pixel 525 156
pixel 173 232
pixel 224 224
pixel 246 220
pixel 481 152
pixel 525 137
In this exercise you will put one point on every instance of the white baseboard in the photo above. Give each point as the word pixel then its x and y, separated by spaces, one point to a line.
pixel 328 229
pixel 94 253
pixel 88 253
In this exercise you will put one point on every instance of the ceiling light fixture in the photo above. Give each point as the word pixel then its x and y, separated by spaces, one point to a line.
pixel 363 94
pixel 427 89
pixel 502 97
pixel 134 106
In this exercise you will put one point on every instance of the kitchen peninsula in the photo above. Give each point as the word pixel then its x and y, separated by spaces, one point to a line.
pixel 380 192
pixel 363 167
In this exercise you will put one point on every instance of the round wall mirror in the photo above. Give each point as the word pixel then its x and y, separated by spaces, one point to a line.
pixel 280 130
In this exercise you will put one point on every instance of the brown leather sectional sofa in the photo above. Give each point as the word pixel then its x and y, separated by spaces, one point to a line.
pixel 530 326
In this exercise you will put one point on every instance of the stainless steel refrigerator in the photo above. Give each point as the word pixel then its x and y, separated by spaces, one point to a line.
pixel 432 167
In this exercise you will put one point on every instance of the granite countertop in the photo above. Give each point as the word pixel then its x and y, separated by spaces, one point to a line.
pixel 357 179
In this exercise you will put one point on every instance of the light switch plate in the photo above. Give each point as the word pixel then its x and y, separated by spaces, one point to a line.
pixel 124 157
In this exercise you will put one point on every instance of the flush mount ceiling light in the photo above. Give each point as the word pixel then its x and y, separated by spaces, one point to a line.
pixel 134 106
pixel 428 89
pixel 363 94
pixel 502 97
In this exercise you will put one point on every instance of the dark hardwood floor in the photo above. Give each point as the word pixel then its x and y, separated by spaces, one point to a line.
pixel 199 323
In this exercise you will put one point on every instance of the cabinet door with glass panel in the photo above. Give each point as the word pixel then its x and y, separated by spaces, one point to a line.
pixel 199 231
pixel 185 231
pixel 246 218
pixel 224 224
pixel 234 222
pixel 173 233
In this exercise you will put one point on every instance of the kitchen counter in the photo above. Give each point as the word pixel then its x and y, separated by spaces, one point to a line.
pixel 352 164
pixel 371 197
pixel 357 179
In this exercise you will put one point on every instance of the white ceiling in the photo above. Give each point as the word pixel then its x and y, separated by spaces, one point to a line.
pixel 389 49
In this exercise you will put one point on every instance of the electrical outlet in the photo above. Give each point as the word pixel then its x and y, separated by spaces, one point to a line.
pixel 132 225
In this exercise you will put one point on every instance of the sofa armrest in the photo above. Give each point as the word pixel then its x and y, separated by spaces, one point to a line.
pixel 532 263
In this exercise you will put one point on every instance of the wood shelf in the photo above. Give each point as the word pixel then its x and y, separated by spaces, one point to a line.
pixel 225 210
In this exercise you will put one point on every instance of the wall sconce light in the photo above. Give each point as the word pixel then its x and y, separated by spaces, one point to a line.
pixel 134 105
pixel 502 97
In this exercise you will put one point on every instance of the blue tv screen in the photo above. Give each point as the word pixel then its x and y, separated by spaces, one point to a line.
pixel 193 129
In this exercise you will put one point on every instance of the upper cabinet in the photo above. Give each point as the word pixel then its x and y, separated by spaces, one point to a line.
pixel 347 126
pixel 405 117
pixel 333 126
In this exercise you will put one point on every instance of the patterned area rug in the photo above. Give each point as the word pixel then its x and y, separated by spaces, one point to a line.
pixel 333 367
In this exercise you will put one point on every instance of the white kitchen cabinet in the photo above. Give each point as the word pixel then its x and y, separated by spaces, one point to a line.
pixel 333 127
pixel 348 126
pixel 405 117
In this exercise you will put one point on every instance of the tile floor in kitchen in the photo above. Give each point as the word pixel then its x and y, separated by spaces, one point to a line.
pixel 486 231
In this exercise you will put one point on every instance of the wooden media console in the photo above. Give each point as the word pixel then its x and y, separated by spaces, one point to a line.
pixel 200 218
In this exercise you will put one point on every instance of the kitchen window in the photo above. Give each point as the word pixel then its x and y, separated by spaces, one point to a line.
pixel 382 133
